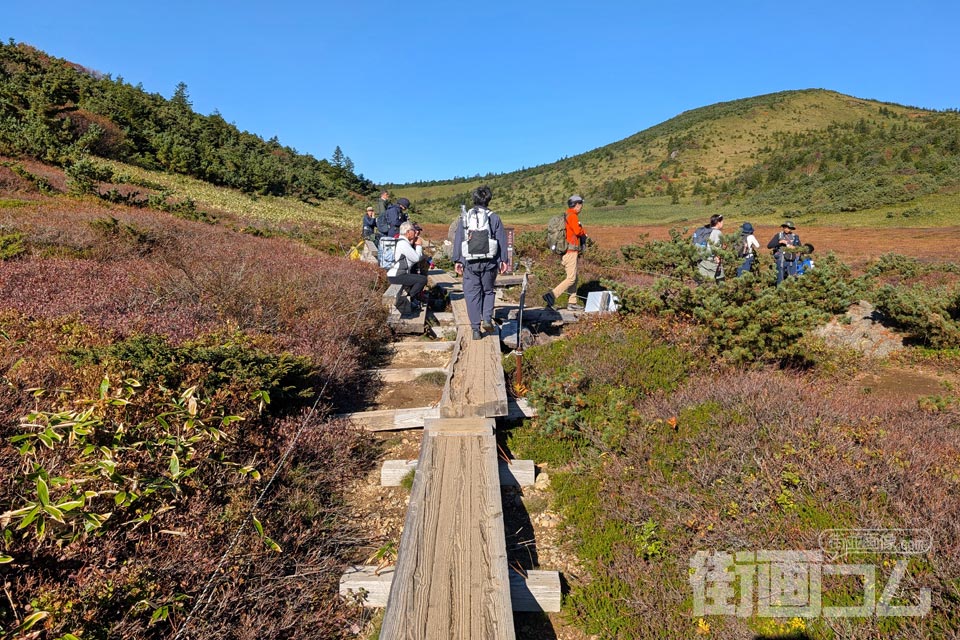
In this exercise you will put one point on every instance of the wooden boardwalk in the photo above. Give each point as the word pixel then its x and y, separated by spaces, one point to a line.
pixel 451 580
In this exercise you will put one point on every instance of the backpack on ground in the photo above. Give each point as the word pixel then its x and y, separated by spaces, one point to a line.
pixel 387 252
pixel 478 241
pixel 557 234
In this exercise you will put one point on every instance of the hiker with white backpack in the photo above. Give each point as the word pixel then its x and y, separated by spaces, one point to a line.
pixel 480 254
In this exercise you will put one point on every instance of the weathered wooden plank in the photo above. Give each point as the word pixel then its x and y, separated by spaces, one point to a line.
pixel 417 346
pixel 515 473
pixel 370 584
pixel 459 426
pixel 509 280
pixel 404 375
pixel 445 318
pixel 391 419
pixel 391 295
pixel 451 578
pixel 475 386
pixel 414 418
pixel 443 278
pixel 538 591
pixel 518 408
pixel 407 324
pixel 538 315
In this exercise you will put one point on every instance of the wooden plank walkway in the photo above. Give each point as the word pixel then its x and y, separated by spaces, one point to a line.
pixel 451 579
pixel 475 386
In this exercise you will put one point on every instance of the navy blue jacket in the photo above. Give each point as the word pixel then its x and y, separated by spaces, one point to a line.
pixel 395 216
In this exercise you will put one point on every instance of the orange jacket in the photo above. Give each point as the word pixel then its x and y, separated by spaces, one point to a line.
pixel 575 230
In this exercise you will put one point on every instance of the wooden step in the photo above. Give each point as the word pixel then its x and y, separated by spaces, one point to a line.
pixel 515 473
pixel 538 591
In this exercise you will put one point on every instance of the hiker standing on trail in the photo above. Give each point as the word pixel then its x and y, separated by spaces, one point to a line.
pixel 748 248
pixel 576 240
pixel 370 225
pixel 784 246
pixel 393 216
pixel 408 252
pixel 710 266
pixel 480 254
pixel 383 201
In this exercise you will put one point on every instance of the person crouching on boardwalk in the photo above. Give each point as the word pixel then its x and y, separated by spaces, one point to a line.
pixel 409 252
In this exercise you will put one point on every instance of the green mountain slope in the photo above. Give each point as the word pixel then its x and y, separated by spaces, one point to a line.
pixel 809 152
pixel 58 112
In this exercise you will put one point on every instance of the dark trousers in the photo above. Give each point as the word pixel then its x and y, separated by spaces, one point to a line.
pixel 412 283
pixel 785 268
pixel 478 292
pixel 746 266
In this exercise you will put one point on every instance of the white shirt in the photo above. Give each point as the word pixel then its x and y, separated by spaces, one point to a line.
pixel 408 251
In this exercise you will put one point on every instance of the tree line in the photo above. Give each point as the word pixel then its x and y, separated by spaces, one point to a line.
pixel 59 112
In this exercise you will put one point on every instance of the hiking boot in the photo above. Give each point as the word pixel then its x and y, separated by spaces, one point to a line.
pixel 486 325
pixel 549 298
pixel 476 334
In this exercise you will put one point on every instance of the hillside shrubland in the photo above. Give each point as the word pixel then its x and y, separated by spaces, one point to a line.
pixel 712 418
pixel 166 387
pixel 712 457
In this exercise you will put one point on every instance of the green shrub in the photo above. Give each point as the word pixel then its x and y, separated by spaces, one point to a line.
pixel 746 318
pixel 228 364
pixel 12 246
pixel 582 389
pixel 84 174
pixel 928 315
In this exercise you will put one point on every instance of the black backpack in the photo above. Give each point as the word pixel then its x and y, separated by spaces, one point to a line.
pixel 383 223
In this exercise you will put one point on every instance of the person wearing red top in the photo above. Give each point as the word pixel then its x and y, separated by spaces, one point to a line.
pixel 576 237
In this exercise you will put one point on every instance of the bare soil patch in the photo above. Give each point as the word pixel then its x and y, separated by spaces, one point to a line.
pixel 854 245
pixel 409 359
pixel 904 383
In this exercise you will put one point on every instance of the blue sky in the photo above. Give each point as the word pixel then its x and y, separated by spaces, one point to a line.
pixel 433 90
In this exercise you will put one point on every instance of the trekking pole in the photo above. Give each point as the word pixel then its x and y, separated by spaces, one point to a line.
pixel 518 374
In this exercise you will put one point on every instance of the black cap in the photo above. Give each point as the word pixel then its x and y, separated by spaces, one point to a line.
pixel 403 202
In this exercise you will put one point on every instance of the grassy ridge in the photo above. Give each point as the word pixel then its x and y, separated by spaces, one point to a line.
pixel 812 152
pixel 265 208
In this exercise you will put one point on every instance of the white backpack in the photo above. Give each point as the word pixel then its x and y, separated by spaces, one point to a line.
pixel 478 241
